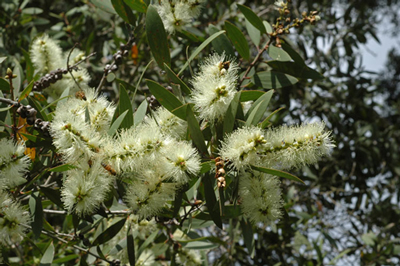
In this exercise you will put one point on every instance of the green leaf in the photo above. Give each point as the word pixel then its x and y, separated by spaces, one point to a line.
pixel 66 259
pixel 147 242
pixel 26 91
pixel 199 49
pixel 109 233
pixel 268 27
pixel 211 200
pixel 278 54
pixel 238 40
pixel 200 245
pixel 2 59
pixel 35 206
pixel 252 18
pixel 195 132
pixel 138 5
pixel 369 238
pixel 54 195
pixel 124 11
pixel 4 85
pixel 181 111
pixel 116 124
pixel 221 44
pixel 254 33
pixel 230 116
pixel 140 113
pixel 123 105
pixel 177 202
pixel 273 80
pixel 157 37
pixel 6 108
pixel 174 78
pixel 206 167
pixel 248 236
pixel 29 66
pixel 104 5
pixel 163 96
pixel 276 173
pixel 231 212
pixel 295 70
pixel 62 168
pixel 48 256
pixel 130 241
pixel 266 122
pixel 250 95
pixel 17 82
pixel 257 110
pixel 293 54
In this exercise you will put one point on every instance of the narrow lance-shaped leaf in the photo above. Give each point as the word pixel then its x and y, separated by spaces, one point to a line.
pixel 117 123
pixel 273 80
pixel 258 109
pixel 123 105
pixel 124 11
pixel 163 96
pixel 221 44
pixel 35 205
pixel 252 18
pixel 138 5
pixel 277 173
pixel 109 233
pixel 157 37
pixel 48 256
pixel 211 200
pixel 199 49
pixel 238 40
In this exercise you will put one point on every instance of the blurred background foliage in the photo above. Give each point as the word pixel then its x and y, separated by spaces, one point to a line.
pixel 347 213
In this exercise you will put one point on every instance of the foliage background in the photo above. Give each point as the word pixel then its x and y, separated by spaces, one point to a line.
pixel 347 212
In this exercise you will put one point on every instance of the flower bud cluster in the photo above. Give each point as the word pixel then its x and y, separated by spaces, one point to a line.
pixel 123 51
pixel 177 13
pixel 214 86
pixel 13 163
pixel 12 215
pixel 29 113
pixel 49 61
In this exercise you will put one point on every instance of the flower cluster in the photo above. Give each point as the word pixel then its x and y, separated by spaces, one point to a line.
pixel 13 163
pixel 149 158
pixel 177 13
pixel 283 148
pixel 214 86
pixel 12 216
pixel 47 56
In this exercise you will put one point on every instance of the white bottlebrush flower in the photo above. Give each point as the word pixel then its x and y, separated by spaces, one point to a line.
pixel 188 257
pixel 148 194
pixel 13 163
pixel 168 123
pixel 12 216
pixel 146 258
pixel 183 161
pixel 294 146
pixel 85 188
pixel 177 13
pixel 260 197
pixel 214 87
pixel 212 97
pixel 74 138
pixel 282 148
pixel 217 66
pixel 242 147
pixel 46 54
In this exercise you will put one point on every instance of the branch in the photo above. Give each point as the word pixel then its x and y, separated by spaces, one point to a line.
pixel 65 212
pixel 55 236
